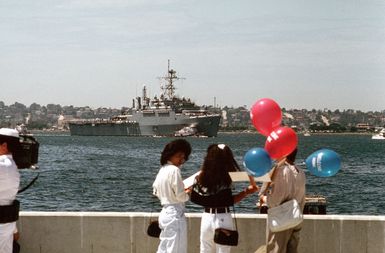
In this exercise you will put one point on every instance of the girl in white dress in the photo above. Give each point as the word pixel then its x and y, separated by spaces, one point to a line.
pixel 169 188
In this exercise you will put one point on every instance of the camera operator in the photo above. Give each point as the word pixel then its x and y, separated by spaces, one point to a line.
pixel 9 185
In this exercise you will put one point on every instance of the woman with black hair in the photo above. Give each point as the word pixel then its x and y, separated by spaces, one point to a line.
pixel 9 185
pixel 169 188
pixel 212 190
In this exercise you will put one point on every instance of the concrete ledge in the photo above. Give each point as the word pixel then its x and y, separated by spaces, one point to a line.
pixel 118 232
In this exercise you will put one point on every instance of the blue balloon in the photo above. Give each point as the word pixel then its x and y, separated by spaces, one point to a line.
pixel 257 162
pixel 323 163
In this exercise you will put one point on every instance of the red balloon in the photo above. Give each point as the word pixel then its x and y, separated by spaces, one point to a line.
pixel 266 115
pixel 281 142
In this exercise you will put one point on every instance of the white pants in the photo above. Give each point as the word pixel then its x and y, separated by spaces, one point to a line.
pixel 172 221
pixel 6 237
pixel 209 222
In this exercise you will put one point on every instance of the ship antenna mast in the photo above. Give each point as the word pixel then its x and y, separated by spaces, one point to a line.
pixel 168 89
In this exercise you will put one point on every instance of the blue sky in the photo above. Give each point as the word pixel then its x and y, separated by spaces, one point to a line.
pixel 301 53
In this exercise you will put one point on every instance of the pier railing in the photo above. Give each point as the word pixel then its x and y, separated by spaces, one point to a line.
pixel 118 232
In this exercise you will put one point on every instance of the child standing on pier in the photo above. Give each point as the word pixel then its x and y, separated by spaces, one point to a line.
pixel 169 188
pixel 212 189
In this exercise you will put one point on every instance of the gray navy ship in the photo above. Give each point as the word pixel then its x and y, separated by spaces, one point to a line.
pixel 168 115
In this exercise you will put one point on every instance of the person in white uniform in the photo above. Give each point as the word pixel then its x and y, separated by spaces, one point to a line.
pixel 9 185
pixel 288 182
pixel 169 188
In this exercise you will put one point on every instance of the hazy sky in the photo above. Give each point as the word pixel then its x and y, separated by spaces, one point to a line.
pixel 302 53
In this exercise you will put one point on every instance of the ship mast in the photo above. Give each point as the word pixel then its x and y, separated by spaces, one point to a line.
pixel 168 89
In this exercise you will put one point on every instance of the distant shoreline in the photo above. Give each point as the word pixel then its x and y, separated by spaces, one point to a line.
pixel 300 134
pixel 219 132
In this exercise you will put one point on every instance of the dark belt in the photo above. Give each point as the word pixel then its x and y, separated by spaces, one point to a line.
pixel 9 213
pixel 217 210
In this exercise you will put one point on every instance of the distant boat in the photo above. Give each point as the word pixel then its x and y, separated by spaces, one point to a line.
pixel 187 131
pixel 306 133
pixel 380 135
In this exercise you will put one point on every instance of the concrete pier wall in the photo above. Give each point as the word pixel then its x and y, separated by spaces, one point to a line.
pixel 115 232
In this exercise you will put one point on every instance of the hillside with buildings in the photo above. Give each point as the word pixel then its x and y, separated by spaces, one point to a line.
pixel 55 117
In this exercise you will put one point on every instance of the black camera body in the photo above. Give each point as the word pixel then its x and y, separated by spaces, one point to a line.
pixel 27 154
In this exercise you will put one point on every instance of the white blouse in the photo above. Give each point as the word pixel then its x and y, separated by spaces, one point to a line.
pixel 168 185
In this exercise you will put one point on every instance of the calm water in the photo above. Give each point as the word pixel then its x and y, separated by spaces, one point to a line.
pixel 116 173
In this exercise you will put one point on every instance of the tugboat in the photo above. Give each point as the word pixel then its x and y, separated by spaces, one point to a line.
pixel 168 115
pixel 187 131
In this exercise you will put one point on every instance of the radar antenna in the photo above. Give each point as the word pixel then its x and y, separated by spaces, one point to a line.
pixel 168 89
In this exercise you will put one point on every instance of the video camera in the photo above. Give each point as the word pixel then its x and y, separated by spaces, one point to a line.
pixel 27 154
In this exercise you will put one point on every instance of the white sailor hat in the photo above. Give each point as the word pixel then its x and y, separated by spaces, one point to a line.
pixel 9 132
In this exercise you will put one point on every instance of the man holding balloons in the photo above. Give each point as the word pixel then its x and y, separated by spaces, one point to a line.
pixel 287 183
pixel 287 180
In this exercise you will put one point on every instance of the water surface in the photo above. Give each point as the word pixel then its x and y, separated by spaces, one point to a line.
pixel 80 173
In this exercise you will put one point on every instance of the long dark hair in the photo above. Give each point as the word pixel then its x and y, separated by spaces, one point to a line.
pixel 178 145
pixel 219 161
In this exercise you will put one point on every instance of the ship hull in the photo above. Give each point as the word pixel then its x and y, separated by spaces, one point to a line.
pixel 149 124
pixel 104 129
